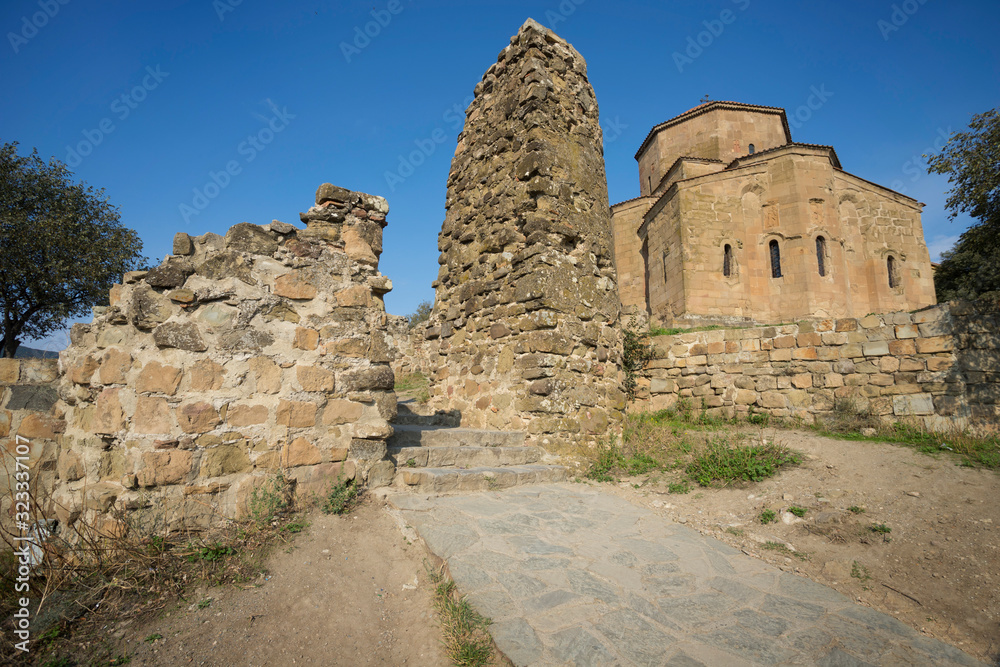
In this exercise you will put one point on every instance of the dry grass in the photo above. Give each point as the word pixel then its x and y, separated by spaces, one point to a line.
pixel 129 567
pixel 466 639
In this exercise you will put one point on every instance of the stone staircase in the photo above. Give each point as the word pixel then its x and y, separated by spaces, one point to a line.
pixel 433 454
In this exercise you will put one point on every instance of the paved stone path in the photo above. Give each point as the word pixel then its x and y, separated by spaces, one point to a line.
pixel 572 576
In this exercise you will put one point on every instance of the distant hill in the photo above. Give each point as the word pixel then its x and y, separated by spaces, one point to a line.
pixel 24 352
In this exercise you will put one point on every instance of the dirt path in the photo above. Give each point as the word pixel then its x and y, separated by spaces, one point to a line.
pixel 348 591
pixel 938 570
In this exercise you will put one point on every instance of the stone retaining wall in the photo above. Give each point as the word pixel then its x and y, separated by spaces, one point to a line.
pixel 939 365
pixel 236 358
pixel 29 417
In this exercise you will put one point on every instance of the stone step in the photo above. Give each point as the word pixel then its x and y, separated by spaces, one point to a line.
pixel 408 435
pixel 412 413
pixel 463 457
pixel 477 479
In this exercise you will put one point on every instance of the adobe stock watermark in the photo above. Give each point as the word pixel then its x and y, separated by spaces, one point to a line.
pixel 223 7
pixel 363 36
pixel 561 13
pixel 22 518
pixel 900 14
pixel 31 25
pixel 122 107
pixel 714 28
pixel 454 117
pixel 804 112
pixel 916 166
pixel 248 149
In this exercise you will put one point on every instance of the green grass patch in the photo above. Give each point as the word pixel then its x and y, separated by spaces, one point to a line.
pixel 880 528
pixel 854 509
pixel 679 487
pixel 768 516
pixel 849 417
pixel 723 463
pixel 798 511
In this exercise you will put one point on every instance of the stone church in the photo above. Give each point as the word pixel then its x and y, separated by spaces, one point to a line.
pixel 736 223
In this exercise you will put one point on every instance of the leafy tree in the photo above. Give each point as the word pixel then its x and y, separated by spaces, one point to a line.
pixel 421 314
pixel 972 161
pixel 62 247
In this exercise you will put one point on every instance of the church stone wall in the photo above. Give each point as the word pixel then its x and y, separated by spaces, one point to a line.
pixel 524 331
pixel 236 358
pixel 792 197
pixel 719 133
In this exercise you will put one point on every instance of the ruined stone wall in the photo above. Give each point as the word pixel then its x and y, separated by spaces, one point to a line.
pixel 237 357
pixel 524 328
pixel 940 366
pixel 29 418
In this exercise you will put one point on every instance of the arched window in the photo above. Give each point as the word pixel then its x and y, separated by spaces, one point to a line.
pixel 892 270
pixel 775 260
pixel 727 260
pixel 752 149
pixel 821 254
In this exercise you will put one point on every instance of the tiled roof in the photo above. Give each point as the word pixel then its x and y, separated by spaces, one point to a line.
pixel 708 106
pixel 628 201
pixel 833 153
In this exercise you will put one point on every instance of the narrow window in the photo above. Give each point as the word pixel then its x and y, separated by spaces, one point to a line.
pixel 821 254
pixel 891 266
pixel 727 261
pixel 775 260
pixel 752 149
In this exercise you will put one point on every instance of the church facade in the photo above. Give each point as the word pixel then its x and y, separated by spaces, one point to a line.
pixel 736 223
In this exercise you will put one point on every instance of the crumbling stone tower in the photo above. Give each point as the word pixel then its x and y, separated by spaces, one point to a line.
pixel 524 330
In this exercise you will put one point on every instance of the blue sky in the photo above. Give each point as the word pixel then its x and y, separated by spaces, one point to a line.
pixel 166 94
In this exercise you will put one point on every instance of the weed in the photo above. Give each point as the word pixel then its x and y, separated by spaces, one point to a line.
pixel 153 637
pixel 860 572
pixel 880 528
pixel 856 510
pixel 269 500
pixel 210 553
pixel 295 526
pixel 121 660
pixel 465 630
pixel 340 498
pixel 734 531
pixel 608 458
pixel 758 418
pixel 636 353
pixel 797 511
pixel 640 463
pixel 768 516
pixel 205 603
pixel 751 463
pixel 679 487
pixel 411 463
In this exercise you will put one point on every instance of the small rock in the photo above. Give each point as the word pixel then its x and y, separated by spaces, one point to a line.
pixel 282 227
pixel 868 432
pixel 915 494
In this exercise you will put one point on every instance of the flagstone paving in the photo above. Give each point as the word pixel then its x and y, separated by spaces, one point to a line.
pixel 572 576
